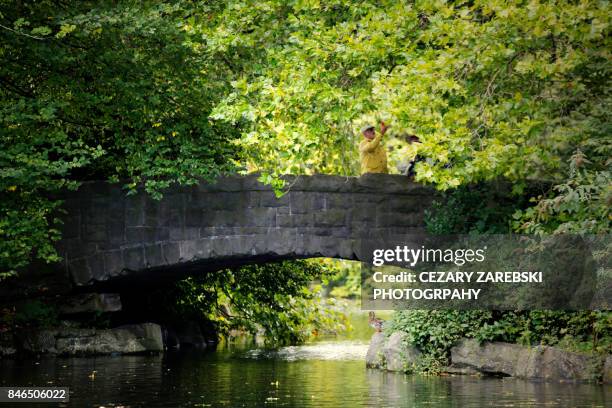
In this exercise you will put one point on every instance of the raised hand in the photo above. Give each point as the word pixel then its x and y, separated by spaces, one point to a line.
pixel 383 127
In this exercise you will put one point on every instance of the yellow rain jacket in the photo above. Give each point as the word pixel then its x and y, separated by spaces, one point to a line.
pixel 373 156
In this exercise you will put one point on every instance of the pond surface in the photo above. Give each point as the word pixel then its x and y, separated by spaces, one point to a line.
pixel 328 373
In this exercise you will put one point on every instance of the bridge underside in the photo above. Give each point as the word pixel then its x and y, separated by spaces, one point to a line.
pixel 111 239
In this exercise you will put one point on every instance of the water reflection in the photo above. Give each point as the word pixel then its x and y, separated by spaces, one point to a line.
pixel 324 350
pixel 397 390
pixel 291 377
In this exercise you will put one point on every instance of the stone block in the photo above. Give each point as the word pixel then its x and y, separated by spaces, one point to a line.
pixel 398 220
pixel 71 226
pixel 77 248
pixel 328 247
pixel 260 217
pixel 191 233
pixel 301 202
pixel 94 215
pixel 162 234
pixel 94 233
pixel 346 249
pixel 330 218
pixel 116 232
pixel 95 264
pixel 134 258
pixel 79 271
pixel 171 252
pixel 402 204
pixel 140 235
pixel 176 233
pixel 220 247
pixel 281 241
pixel 194 217
pixel 90 303
pixel 363 216
pixel 134 217
pixel 195 249
pixel 295 220
pixel 269 199
pixel 176 219
pixel 339 201
pixel 152 212
pixel 113 262
pixel 225 218
pixel 367 199
pixel 153 255
pixel 175 200
pixel 286 210
pixel 315 231
pixel 235 200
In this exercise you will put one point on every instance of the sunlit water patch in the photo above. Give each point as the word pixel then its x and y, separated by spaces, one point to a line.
pixel 344 350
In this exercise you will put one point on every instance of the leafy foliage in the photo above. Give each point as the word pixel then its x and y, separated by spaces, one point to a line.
pixel 483 208
pixel 99 90
pixel 589 330
pixel 434 332
pixel 271 297
pixel 581 204
pixel 33 313
pixel 343 278
pixel 491 88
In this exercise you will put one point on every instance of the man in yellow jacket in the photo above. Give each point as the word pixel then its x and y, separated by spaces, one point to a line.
pixel 371 152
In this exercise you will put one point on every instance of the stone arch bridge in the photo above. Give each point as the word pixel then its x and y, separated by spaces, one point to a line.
pixel 109 237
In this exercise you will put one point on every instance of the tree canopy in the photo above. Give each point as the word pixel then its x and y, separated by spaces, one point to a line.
pixel 155 93
pixel 518 90
pixel 99 90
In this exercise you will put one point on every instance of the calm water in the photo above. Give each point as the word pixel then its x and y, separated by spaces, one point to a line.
pixel 322 374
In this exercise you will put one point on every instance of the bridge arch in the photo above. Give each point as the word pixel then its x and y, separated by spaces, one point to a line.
pixel 110 237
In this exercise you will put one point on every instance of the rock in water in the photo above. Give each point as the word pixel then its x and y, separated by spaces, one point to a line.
pixel 128 339
pixel 489 358
pixel 400 356
pixel 537 363
pixel 375 357
pixel 392 353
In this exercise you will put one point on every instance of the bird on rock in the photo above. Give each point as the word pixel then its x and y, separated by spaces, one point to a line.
pixel 375 322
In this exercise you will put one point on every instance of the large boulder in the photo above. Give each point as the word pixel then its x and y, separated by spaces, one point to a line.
pixel 128 339
pixel 538 363
pixel 375 357
pixel 399 355
pixel 488 358
pixel 551 363
pixel 37 341
pixel 393 353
